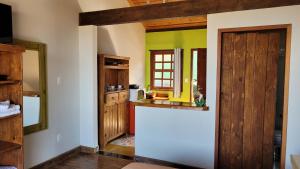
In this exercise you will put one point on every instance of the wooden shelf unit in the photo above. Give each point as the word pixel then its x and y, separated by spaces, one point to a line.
pixel 117 91
pixel 10 82
pixel 116 67
pixel 7 147
pixel 11 116
pixel 113 105
pixel 11 127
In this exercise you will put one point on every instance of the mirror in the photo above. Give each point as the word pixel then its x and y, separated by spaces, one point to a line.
pixel 34 86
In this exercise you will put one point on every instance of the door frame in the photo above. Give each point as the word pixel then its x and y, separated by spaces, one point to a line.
pixel 288 28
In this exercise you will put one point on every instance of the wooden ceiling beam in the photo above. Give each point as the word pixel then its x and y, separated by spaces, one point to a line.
pixel 175 10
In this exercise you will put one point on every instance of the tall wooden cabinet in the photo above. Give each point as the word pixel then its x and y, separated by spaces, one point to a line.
pixel 11 127
pixel 113 103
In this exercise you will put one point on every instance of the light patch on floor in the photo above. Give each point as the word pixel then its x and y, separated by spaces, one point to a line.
pixel 124 141
pixel 122 146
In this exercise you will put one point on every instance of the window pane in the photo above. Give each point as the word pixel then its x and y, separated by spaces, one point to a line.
pixel 173 66
pixel 166 83
pixel 158 58
pixel 167 65
pixel 195 66
pixel 158 75
pixel 167 58
pixel 158 65
pixel 171 83
pixel 157 83
pixel 167 75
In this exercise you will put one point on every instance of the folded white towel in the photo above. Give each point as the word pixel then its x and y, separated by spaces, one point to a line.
pixel 9 113
pixel 4 105
pixel 7 167
pixel 12 110
pixel 14 107
pixel 7 102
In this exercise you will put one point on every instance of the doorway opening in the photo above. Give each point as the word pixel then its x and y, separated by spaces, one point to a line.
pixel 198 72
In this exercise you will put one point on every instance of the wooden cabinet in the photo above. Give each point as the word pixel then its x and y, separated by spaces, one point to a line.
pixel 11 127
pixel 115 116
pixel 113 111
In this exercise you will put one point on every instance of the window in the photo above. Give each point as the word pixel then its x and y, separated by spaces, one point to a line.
pixel 162 69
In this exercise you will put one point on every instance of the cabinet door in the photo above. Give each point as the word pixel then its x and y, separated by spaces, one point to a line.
pixel 121 118
pixel 115 120
pixel 123 112
pixel 106 122
pixel 110 122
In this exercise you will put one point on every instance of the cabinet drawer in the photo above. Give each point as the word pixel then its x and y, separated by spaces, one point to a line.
pixel 111 98
pixel 123 96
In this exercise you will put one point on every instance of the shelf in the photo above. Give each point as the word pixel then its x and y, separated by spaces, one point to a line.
pixel 116 57
pixel 7 146
pixel 117 91
pixel 11 116
pixel 116 67
pixel 9 82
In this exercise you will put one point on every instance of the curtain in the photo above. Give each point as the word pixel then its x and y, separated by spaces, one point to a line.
pixel 177 72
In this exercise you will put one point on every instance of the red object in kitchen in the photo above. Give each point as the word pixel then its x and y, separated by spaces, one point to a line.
pixel 131 118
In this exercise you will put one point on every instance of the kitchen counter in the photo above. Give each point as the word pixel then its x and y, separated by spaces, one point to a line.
pixel 169 104
pixel 176 132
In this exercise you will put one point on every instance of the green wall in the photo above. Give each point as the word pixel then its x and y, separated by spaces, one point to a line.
pixel 185 39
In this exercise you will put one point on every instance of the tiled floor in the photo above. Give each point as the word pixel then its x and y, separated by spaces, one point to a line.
pixel 91 161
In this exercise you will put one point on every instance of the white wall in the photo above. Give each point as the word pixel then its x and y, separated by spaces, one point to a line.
pixel 88 86
pixel 272 16
pixel 125 40
pixel 175 135
pixel 55 23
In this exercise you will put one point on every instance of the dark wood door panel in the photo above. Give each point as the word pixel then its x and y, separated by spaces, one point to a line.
pixel 248 88
pixel 202 70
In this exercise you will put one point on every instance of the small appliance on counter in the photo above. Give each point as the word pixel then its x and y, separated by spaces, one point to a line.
pixel 135 93
pixel 134 86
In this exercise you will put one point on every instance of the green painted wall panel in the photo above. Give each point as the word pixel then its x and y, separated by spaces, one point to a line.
pixel 185 39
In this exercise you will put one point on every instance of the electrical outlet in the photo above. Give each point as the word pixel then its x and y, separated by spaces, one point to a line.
pixel 58 138
pixel 58 81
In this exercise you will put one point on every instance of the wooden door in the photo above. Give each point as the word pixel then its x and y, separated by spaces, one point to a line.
pixel 249 62
pixel 201 76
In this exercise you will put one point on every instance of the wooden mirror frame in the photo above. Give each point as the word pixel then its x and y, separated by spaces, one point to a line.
pixel 43 118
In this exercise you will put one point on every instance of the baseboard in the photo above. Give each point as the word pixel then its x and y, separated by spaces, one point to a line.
pixel 162 163
pixel 65 156
pixel 50 163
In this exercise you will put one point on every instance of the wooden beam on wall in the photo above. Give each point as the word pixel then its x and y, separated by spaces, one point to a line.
pixel 175 10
